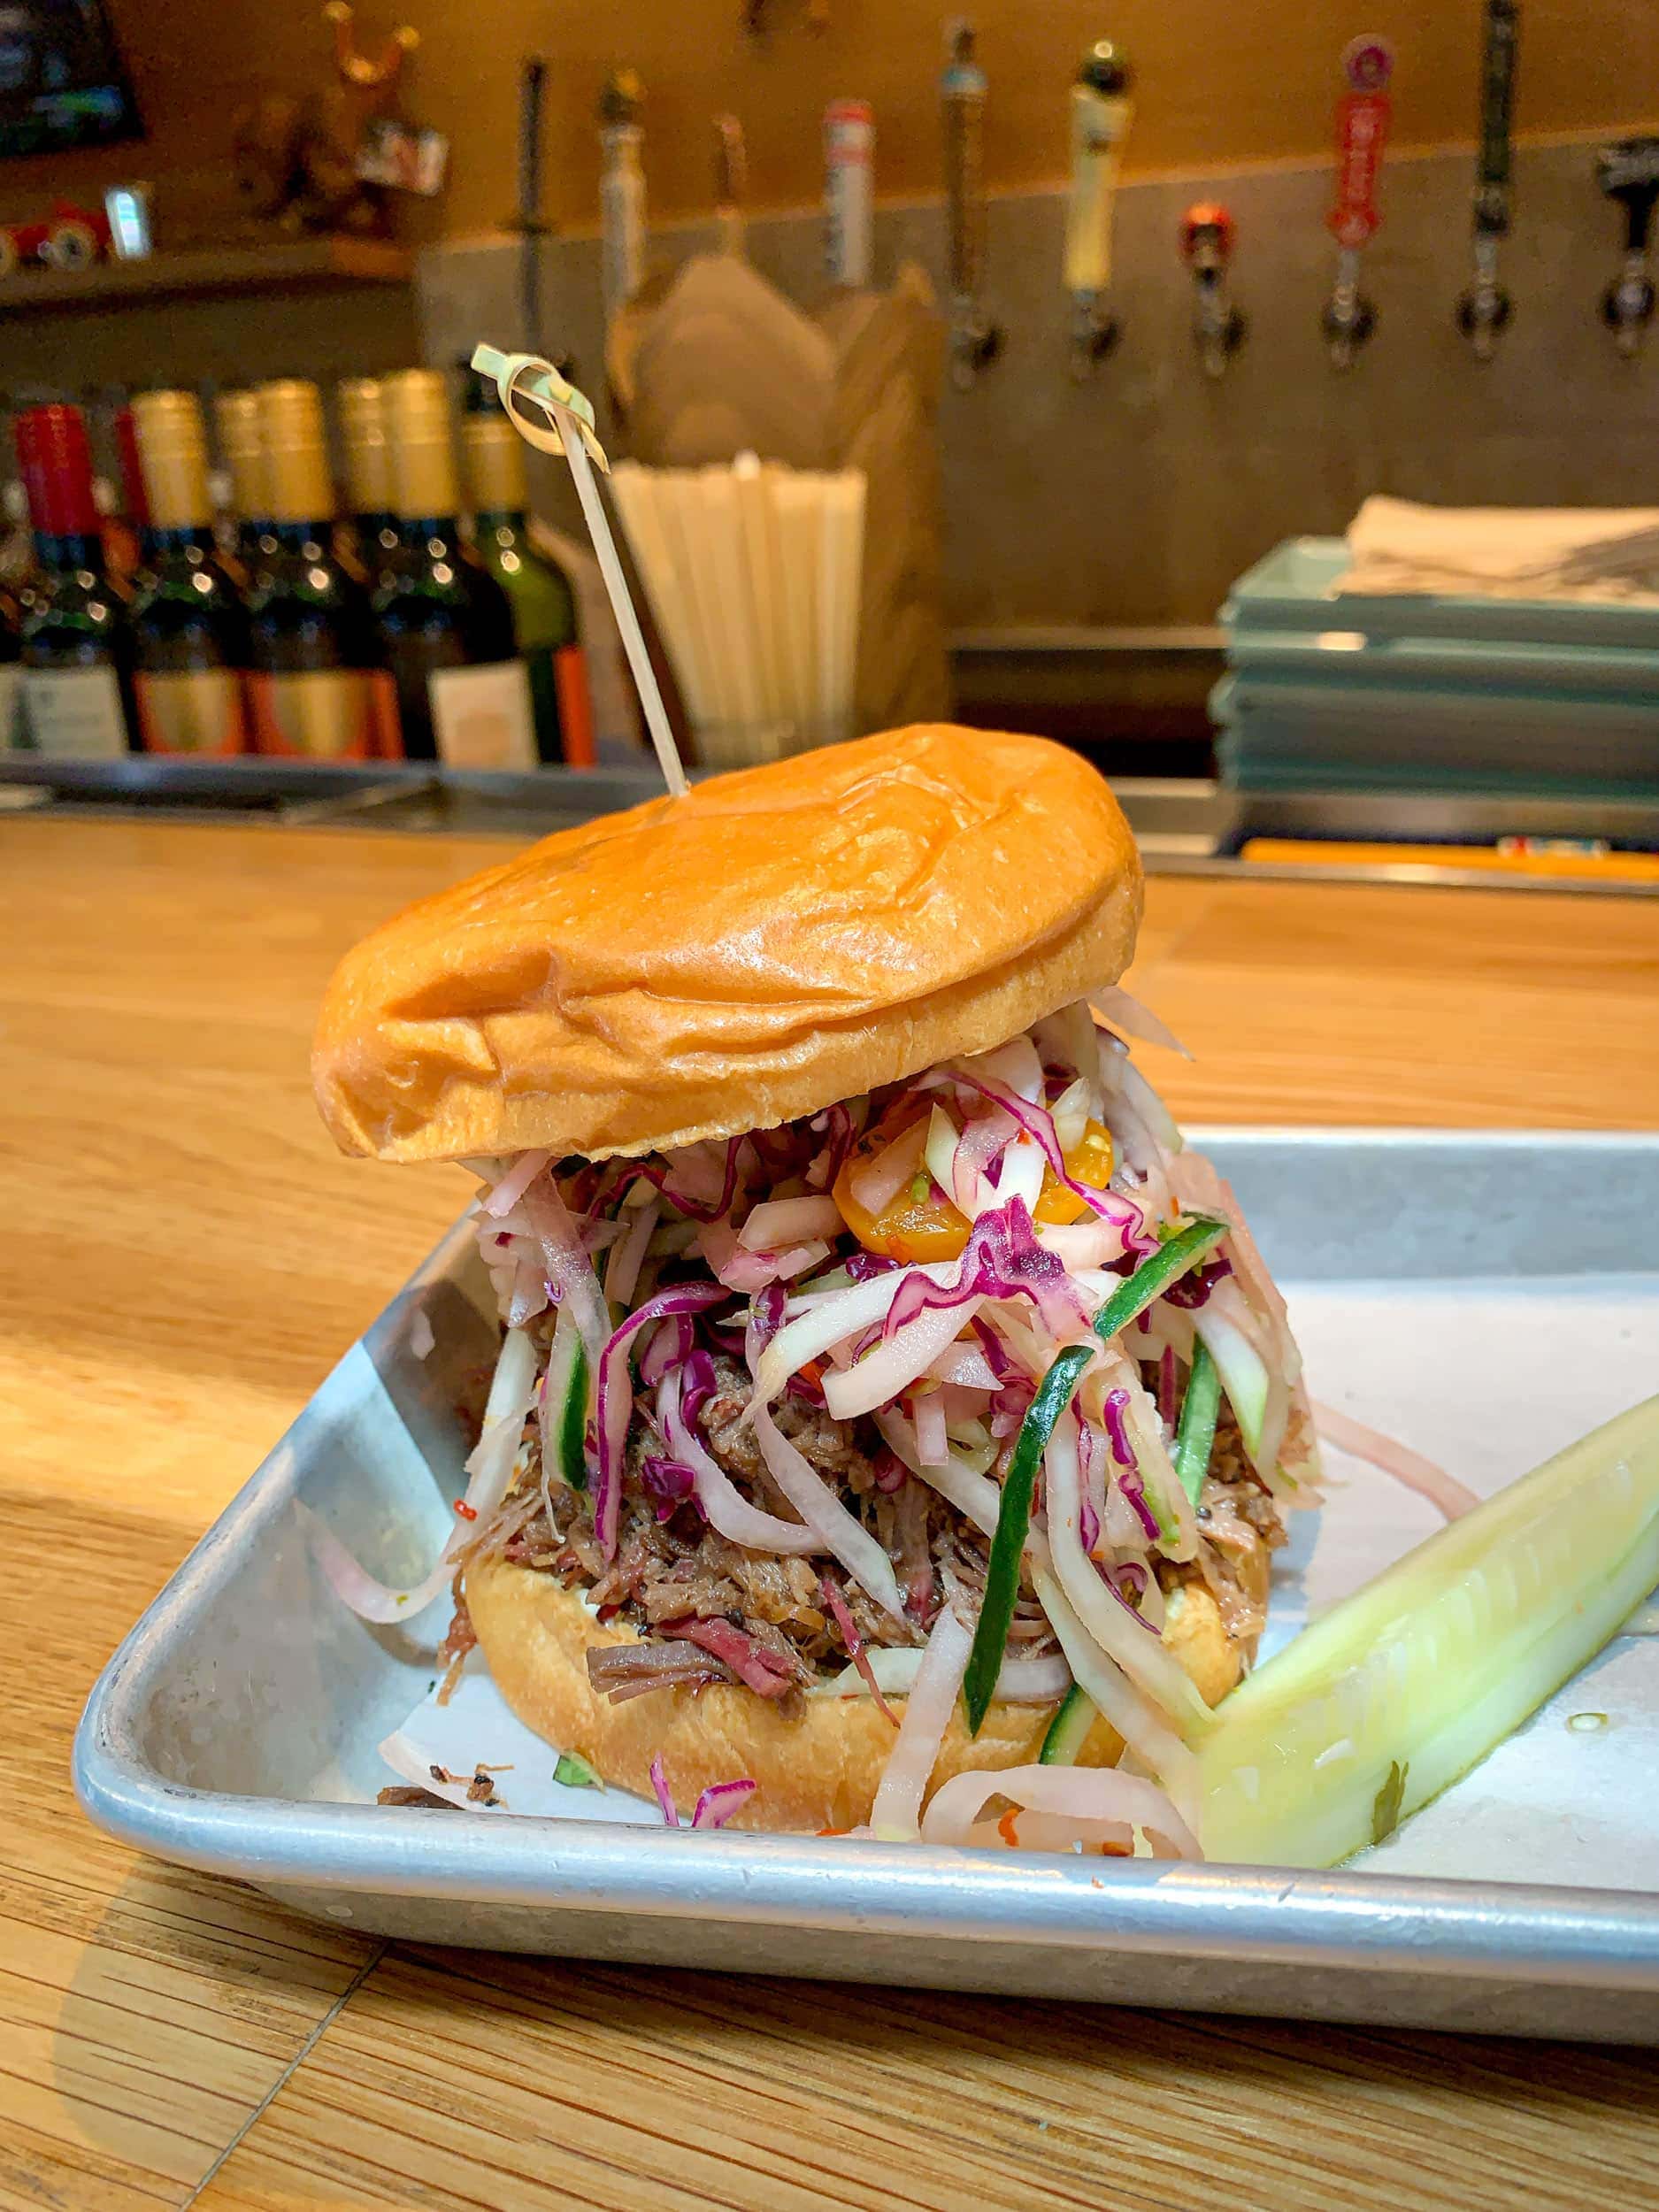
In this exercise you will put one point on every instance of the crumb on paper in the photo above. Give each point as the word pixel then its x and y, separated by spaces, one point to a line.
pixel 421 1338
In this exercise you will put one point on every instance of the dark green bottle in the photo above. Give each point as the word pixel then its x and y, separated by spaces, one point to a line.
pixel 543 602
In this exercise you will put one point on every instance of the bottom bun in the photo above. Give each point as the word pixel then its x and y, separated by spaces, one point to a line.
pixel 817 1764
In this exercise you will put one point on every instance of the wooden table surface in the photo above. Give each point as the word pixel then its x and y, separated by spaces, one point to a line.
pixel 182 1258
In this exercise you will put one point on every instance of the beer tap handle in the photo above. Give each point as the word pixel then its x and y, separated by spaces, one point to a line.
pixel 1628 173
pixel 974 342
pixel 1101 106
pixel 1486 307
pixel 1362 132
pixel 1207 243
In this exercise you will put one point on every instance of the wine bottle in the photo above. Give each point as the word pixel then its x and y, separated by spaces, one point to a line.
pixel 445 623
pixel 237 417
pixel 318 688
pixel 190 627
pixel 75 651
pixel 543 603
pixel 360 402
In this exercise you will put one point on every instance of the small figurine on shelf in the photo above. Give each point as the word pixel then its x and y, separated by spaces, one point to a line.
pixel 70 237
pixel 324 162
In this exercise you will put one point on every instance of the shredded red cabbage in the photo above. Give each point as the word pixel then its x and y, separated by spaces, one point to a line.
pixel 665 1795
pixel 615 1397
pixel 1116 1405
pixel 1003 1259
pixel 720 1800
pixel 656 1174
pixel 837 1607
pixel 862 1265
pixel 890 1471
pixel 668 1482
pixel 1038 1123
pixel 1193 1288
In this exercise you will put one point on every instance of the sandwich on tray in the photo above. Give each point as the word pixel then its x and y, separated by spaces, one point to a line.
pixel 894 1418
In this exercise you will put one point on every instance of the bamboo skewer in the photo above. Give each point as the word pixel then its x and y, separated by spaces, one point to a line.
pixel 521 377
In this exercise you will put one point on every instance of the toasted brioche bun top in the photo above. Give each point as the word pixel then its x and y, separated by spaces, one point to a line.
pixel 781 938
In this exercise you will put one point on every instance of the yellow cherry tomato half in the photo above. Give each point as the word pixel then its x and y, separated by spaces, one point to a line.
pixel 1090 1161
pixel 908 1228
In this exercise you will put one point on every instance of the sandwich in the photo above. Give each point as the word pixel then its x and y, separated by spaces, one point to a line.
pixel 894 1419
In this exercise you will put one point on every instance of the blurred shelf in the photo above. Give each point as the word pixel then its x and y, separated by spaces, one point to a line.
pixel 279 265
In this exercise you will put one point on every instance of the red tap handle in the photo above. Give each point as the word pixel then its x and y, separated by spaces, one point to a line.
pixel 1207 223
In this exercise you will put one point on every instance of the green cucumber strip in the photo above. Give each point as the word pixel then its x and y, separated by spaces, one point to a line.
pixel 1067 1729
pixel 567 1405
pixel 1195 1433
pixel 1055 1393
pixel 574 1771
pixel 1396 1693
pixel 1243 1376
pixel 1156 1272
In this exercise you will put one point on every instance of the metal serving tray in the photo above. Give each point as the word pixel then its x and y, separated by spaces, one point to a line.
pixel 1481 1296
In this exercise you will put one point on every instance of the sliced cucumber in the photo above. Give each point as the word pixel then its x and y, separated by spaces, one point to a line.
pixel 1068 1729
pixel 1401 1688
pixel 1195 1433
pixel 1242 1373
pixel 566 1420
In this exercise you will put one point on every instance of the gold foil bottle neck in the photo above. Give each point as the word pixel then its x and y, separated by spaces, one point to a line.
pixel 424 481
pixel 494 465
pixel 361 401
pixel 296 453
pixel 242 444
pixel 172 453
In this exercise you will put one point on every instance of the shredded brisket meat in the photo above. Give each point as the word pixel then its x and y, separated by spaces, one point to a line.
pixel 709 1611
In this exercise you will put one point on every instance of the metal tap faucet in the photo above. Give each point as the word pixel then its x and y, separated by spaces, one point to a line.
pixel 1629 175
pixel 1219 327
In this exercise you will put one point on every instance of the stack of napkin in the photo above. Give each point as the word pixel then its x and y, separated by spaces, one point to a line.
pixel 1504 552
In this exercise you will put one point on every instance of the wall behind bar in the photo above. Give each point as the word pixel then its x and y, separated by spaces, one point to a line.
pixel 1138 497
pixel 1251 82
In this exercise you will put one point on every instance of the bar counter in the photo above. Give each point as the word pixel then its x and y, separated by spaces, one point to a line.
pixel 183 1258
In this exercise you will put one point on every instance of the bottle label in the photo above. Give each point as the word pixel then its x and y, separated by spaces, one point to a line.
pixel 191 710
pixel 575 706
pixel 482 716
pixel 326 714
pixel 72 713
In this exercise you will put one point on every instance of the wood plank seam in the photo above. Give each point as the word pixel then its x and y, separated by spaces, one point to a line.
pixel 320 2029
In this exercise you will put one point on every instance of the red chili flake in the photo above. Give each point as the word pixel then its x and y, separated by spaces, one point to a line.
pixel 467 1512
pixel 834 1832
pixel 1007 1829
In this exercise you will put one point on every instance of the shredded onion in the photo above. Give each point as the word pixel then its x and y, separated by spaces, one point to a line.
pixel 976 1497
pixel 891 1367
pixel 780 1223
pixel 1143 1657
pixel 1120 1010
pixel 1021 1682
pixel 1453 1498
pixel 821 1510
pixel 1090 1796
pixel 896 1815
pixel 514 1183
pixel 725 1506
pixel 567 1263
pixel 876 1182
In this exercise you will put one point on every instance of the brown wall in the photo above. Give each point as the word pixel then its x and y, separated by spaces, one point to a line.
pixel 1221 81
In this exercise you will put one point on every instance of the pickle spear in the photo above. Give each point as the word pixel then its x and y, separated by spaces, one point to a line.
pixel 1405 1686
